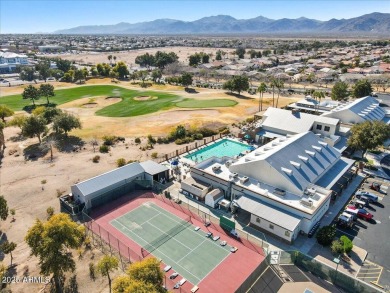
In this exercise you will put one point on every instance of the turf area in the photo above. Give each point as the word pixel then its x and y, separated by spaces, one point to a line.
pixel 173 240
pixel 191 103
pixel 128 107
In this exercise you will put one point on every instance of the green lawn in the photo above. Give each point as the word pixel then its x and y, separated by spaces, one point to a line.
pixel 126 108
pixel 191 103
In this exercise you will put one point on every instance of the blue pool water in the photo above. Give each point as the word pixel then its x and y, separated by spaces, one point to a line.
pixel 224 147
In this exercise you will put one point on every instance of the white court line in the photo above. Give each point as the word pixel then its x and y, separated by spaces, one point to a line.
pixel 192 250
pixel 170 236
pixel 194 232
pixel 146 242
pixel 212 270
pixel 117 219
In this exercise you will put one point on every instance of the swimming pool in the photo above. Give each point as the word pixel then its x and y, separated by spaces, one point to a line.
pixel 224 147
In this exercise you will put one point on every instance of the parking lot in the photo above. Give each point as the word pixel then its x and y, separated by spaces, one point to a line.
pixel 373 236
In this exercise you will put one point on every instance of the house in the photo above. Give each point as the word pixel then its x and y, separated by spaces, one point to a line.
pixel 10 61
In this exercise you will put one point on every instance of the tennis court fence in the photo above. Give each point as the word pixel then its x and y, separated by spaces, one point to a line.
pixel 251 242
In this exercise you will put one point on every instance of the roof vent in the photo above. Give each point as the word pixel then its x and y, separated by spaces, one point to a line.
pixel 305 159
pixel 306 202
pixel 287 171
pixel 267 148
pixel 317 148
pixel 323 143
pixel 310 153
pixel 244 179
pixel 295 164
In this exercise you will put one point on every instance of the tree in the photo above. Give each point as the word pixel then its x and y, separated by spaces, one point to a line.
pixel 31 93
pixel 347 244
pixel 156 75
pixel 18 121
pixel 194 59
pixel 94 143
pixel 34 126
pixel 114 57
pixel 240 52
pixel 279 84
pixel 49 143
pixel 121 69
pixel 50 112
pixel 318 95
pixel 218 55
pixel 145 60
pixel 7 247
pixel 147 271
pixel 106 265
pixel 340 91
pixel 261 89
pixel 3 208
pixel 5 112
pixel 50 241
pixel 79 75
pixel 109 57
pixel 2 139
pixel 368 135
pixel 27 73
pixel 46 90
pixel 337 247
pixel 43 67
pixel 65 122
pixel 142 75
pixel 63 65
pixel 186 79
pixel 237 84
pixel 162 59
pixel 325 235
pixel 113 75
pixel 362 88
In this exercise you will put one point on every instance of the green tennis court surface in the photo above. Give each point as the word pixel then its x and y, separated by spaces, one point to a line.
pixel 172 239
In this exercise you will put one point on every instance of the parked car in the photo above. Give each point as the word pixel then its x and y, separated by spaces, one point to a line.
pixel 371 197
pixel 345 220
pixel 353 213
pixel 173 276
pixel 362 213
pixel 375 186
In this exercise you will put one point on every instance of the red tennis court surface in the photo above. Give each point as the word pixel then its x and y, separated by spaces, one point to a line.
pixel 226 277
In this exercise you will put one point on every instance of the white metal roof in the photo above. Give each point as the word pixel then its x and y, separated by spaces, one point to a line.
pixel 274 215
pixel 152 167
pixel 291 122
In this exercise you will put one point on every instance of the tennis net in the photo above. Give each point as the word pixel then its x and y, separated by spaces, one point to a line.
pixel 153 245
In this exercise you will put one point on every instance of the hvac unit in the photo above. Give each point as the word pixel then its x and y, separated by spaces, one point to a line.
pixel 306 202
pixel 244 179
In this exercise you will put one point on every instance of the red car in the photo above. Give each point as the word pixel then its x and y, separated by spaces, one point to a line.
pixel 362 213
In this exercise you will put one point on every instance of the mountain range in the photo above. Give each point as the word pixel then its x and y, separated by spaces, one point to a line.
pixel 373 23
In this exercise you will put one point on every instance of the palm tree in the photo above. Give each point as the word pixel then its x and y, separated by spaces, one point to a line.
pixel 279 85
pixel 109 57
pixel 261 89
pixel 273 85
pixel 114 59
pixel 317 95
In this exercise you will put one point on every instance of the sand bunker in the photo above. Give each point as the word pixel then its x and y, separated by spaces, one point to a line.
pixel 113 98
pixel 89 105
pixel 145 98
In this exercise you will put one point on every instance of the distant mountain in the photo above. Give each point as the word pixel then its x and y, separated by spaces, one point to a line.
pixel 374 23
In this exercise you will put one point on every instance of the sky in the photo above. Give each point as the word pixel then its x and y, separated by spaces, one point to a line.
pixel 29 16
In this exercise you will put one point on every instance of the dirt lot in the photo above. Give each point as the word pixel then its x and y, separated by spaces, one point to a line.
pixel 129 56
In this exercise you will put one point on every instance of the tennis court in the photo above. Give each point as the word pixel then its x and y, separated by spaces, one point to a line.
pixel 173 240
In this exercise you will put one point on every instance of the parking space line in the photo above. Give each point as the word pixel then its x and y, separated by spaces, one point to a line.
pixel 348 234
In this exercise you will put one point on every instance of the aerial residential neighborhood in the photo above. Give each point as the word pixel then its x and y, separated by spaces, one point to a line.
pixel 186 147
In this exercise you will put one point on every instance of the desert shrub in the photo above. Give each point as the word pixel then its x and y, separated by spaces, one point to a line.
pixel 132 161
pixel 120 162
pixel 179 141
pixel 49 212
pixel 96 159
pixel 104 148
pixel 137 140
pixel 206 131
pixel 347 243
pixel 159 140
pixel 92 271
pixel 337 247
pixel 225 131
pixel 154 155
pixel 249 120
pixel 325 235
pixel 151 140
pixel 109 139
pixel 165 140
pixel 197 136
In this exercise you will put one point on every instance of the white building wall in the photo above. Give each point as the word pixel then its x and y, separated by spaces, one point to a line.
pixel 209 200
pixel 272 228
pixel 332 128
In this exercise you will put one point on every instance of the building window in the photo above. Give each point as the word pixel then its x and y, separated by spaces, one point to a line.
pixel 319 127
pixel 271 226
pixel 327 128
pixel 257 220
pixel 287 233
